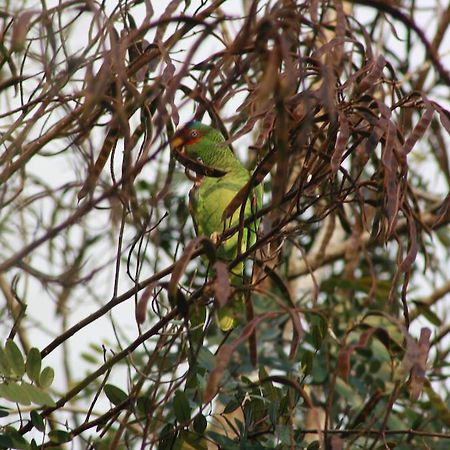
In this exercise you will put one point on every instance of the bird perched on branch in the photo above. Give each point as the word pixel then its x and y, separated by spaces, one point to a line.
pixel 221 181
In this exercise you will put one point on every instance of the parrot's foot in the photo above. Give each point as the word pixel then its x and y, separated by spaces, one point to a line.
pixel 231 315
pixel 214 237
pixel 225 320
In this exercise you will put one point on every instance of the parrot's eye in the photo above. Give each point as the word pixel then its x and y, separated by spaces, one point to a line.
pixel 194 133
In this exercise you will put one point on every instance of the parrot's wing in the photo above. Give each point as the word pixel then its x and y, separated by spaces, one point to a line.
pixel 193 193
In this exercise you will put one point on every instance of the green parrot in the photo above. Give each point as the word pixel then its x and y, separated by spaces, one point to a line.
pixel 211 195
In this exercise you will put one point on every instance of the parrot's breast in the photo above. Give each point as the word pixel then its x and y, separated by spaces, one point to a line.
pixel 209 200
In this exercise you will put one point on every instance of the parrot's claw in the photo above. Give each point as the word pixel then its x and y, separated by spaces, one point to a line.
pixel 214 237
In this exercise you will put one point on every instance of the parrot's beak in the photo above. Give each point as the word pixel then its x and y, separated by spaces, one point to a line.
pixel 177 142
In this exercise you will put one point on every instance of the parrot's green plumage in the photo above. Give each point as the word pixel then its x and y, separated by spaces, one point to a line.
pixel 211 195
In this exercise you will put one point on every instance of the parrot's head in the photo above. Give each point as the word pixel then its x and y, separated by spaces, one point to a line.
pixel 196 139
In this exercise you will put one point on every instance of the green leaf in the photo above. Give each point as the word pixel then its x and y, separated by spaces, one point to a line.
pixel 317 337
pixel 224 441
pixel 15 358
pixel 89 358
pixel 131 21
pixel 115 395
pixel 14 393
pixel 232 405
pixel 200 424
pixel 307 362
pixel 348 393
pixel 438 404
pixel 46 377
pixel 59 436
pixel 189 441
pixel 37 420
pixel 206 359
pixel 144 405
pixel 269 390
pixel 167 438
pixel 426 311
pixel 391 330
pixel 315 445
pixel 37 395
pixel 5 368
pixel 5 441
pixel 16 439
pixel 4 411
pixel 33 364
pixel 181 407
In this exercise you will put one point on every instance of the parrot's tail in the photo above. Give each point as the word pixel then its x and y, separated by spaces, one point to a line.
pixel 233 313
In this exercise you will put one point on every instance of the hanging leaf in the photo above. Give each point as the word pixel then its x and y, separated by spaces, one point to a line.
pixel 141 307
pixel 221 286
pixel 420 129
pixel 341 142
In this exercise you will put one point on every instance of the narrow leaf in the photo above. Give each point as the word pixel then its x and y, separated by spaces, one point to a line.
pixel 21 26
pixel 222 288
pixel 412 245
pixel 419 130
pixel 95 171
pixel 341 142
pixel 298 332
pixel 390 181
pixel 373 75
pixel 141 307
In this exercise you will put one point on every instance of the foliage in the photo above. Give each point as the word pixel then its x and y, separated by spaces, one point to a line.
pixel 345 127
